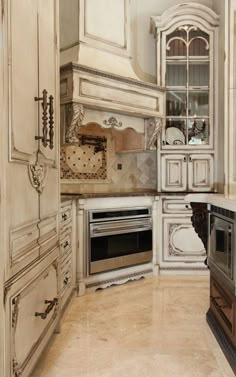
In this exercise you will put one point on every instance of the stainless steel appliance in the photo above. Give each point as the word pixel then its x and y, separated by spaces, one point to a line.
pixel 119 238
pixel 222 229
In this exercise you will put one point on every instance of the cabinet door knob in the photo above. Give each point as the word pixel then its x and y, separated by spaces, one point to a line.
pixel 187 206
pixel 64 216
pixel 66 244
pixel 66 280
pixel 190 159
pixel 185 159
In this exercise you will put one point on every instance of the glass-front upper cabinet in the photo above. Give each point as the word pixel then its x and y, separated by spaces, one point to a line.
pixel 187 87
pixel 186 68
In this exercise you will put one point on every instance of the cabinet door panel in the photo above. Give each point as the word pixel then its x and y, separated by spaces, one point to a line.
pixel 48 65
pixel 27 297
pixel 200 172
pixel 23 76
pixel 181 242
pixel 174 172
pixel 48 78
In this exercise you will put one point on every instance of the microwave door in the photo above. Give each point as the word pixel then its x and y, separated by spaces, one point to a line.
pixel 222 245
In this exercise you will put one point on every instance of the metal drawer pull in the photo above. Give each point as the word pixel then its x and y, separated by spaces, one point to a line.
pixel 187 206
pixel 48 309
pixel 64 216
pixel 46 119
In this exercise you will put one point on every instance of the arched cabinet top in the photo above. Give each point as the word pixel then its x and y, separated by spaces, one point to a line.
pixel 193 13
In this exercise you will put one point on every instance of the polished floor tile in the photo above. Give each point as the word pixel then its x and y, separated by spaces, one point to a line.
pixel 150 328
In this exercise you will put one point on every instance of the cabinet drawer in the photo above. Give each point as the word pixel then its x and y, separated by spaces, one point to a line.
pixel 32 311
pixel 222 303
pixel 66 245
pixel 65 213
pixel 66 275
pixel 176 206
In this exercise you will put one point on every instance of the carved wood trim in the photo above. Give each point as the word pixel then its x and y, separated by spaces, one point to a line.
pixel 152 132
pixel 74 117
pixel 200 221
pixel 37 175
pixel 112 122
pixel 80 68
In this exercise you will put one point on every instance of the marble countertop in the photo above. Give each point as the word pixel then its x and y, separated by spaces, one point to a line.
pixel 219 200
pixel 67 196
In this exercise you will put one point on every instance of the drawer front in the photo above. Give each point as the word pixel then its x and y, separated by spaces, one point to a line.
pixel 66 245
pixel 66 227
pixel 223 304
pixel 33 312
pixel 66 275
pixel 65 214
pixel 176 206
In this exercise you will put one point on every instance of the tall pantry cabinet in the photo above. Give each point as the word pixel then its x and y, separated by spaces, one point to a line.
pixel 29 181
pixel 187 66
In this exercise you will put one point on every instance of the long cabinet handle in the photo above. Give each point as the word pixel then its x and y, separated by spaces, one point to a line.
pixel 51 304
pixel 51 122
pixel 47 106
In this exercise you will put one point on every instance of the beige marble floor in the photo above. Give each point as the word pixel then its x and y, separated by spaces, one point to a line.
pixel 150 328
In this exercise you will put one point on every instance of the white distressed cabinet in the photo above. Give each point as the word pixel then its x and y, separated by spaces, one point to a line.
pixel 187 172
pixel 187 45
pixel 32 311
pixel 32 223
pixel 29 183
pixel 187 66
pixel 181 248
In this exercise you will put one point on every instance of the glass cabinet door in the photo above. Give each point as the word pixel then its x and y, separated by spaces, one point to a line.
pixel 187 87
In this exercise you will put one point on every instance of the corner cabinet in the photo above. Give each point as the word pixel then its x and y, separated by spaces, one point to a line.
pixel 180 246
pixel 187 36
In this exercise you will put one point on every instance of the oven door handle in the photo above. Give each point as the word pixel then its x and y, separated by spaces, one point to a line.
pixel 96 231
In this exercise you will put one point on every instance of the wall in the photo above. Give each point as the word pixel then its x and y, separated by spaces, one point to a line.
pixel 142 42
pixel 137 173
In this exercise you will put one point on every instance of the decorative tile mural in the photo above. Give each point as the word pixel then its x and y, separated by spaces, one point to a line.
pixel 83 161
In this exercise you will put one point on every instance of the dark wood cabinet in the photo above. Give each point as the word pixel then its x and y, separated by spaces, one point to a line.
pixel 223 305
pixel 221 317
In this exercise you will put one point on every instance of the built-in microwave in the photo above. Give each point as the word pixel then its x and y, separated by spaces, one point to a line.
pixel 222 223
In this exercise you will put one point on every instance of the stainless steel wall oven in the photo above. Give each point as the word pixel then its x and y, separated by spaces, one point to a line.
pixel 119 238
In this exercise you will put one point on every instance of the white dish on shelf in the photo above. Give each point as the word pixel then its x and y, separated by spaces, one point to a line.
pixel 174 136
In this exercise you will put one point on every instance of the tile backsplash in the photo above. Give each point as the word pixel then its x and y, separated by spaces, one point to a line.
pixel 82 162
pixel 84 171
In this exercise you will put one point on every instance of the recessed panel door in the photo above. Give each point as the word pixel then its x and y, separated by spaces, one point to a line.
pixel 200 172
pixel 174 172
